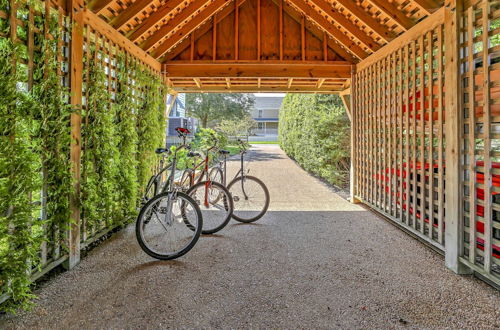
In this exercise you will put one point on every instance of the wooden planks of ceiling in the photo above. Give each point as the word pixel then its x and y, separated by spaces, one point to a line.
pixel 260 45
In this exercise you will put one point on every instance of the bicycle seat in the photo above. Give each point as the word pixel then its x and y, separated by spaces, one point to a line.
pixel 193 154
pixel 224 152
pixel 160 150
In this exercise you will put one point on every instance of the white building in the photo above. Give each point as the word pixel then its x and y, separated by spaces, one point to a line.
pixel 266 113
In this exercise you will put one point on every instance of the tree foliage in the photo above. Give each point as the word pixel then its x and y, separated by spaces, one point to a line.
pixel 314 130
pixel 237 127
pixel 211 108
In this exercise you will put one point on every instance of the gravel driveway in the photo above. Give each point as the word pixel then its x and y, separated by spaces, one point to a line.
pixel 314 261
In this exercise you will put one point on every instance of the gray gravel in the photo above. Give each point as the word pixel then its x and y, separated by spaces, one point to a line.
pixel 314 261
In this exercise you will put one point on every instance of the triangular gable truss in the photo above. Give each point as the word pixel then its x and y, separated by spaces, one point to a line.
pixel 308 37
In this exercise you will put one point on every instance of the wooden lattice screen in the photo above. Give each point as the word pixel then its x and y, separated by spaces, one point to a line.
pixel 399 138
pixel 480 81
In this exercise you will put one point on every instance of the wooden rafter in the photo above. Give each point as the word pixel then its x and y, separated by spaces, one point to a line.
pixel 186 15
pixel 318 33
pixel 391 10
pixel 202 30
pixel 98 5
pixel 429 6
pixel 164 11
pixel 190 26
pixel 352 28
pixel 324 24
pixel 367 19
pixel 129 13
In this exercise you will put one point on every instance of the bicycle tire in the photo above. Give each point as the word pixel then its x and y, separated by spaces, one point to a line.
pixel 197 230
pixel 151 187
pixel 228 205
pixel 216 175
pixel 266 204
pixel 186 181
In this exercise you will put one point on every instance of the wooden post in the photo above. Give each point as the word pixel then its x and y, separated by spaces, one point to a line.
pixel 76 78
pixel 352 117
pixel 453 134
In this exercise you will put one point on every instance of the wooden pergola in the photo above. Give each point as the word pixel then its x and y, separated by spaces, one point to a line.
pixel 420 80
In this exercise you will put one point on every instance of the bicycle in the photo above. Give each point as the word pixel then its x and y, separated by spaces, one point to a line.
pixel 250 195
pixel 170 223
pixel 213 198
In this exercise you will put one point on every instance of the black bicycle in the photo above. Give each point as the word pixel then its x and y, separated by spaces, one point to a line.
pixel 170 223
pixel 250 195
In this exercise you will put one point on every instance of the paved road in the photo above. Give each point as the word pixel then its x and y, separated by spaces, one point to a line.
pixel 314 261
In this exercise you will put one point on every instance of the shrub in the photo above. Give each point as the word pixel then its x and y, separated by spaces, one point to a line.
pixel 314 130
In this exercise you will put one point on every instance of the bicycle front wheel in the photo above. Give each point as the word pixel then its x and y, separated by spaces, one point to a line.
pixel 169 225
pixel 251 198
pixel 215 203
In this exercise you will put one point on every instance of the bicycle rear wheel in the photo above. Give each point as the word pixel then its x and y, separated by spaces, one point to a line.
pixel 251 198
pixel 169 225
pixel 215 203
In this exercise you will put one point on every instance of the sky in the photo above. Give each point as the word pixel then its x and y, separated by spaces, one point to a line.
pixel 269 94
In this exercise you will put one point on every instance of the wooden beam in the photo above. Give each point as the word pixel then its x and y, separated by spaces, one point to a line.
pixel 324 24
pixel 320 83
pixel 254 89
pixel 228 83
pixel 197 81
pixel 187 14
pixel 380 29
pixel 349 26
pixel 429 6
pixel 289 84
pixel 453 128
pixel 164 11
pixel 98 5
pixel 105 29
pixel 76 85
pixel 190 26
pixel 257 70
pixel 427 24
pixel 132 11
pixel 391 10
pixel 236 30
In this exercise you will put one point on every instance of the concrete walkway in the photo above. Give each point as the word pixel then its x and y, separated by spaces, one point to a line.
pixel 314 261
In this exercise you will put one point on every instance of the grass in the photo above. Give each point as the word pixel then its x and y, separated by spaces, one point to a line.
pixel 263 142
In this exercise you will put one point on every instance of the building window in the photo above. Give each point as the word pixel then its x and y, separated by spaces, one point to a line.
pixel 261 125
pixel 260 113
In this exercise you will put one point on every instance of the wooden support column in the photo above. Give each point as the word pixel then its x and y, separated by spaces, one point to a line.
pixel 352 116
pixel 453 134
pixel 76 78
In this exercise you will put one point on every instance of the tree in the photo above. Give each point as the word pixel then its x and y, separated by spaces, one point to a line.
pixel 212 108
pixel 236 127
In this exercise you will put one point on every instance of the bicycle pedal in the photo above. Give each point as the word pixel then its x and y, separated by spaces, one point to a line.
pixel 236 198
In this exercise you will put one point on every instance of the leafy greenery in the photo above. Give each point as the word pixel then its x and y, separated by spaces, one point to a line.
pixel 151 123
pixel 127 140
pixel 19 168
pixel 211 108
pixel 314 130
pixel 100 153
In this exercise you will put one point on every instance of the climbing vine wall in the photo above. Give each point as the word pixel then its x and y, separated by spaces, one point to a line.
pixel 122 122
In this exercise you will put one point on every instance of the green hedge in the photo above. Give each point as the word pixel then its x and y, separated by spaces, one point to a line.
pixel 315 131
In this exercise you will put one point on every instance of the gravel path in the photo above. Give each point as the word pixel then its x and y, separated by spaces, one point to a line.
pixel 314 261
